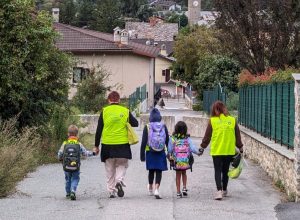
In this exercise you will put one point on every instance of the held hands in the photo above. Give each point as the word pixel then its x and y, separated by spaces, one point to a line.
pixel 241 150
pixel 95 151
pixel 201 150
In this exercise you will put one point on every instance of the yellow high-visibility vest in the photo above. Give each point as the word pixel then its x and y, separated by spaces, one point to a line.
pixel 223 135
pixel 114 131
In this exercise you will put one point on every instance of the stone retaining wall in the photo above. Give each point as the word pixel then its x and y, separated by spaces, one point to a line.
pixel 196 125
pixel 169 121
pixel 275 159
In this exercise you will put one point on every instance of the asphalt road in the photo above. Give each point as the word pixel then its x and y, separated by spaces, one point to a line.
pixel 41 195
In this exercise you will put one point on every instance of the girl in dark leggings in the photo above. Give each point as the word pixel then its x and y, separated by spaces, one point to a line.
pixel 158 175
pixel 224 134
pixel 156 161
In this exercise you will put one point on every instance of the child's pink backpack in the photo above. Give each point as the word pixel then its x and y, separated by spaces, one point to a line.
pixel 181 153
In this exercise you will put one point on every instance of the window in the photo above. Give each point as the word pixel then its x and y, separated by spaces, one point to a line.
pixel 168 75
pixel 79 74
pixel 163 73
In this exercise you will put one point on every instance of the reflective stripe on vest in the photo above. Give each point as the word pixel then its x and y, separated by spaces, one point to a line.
pixel 223 135
pixel 114 131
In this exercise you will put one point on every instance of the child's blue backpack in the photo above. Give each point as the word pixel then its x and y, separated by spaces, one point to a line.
pixel 156 136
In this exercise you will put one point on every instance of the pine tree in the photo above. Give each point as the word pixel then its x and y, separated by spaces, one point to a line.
pixel 107 16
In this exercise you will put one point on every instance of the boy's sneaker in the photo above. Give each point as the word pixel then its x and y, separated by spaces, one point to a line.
pixel 156 194
pixel 224 193
pixel 184 192
pixel 68 195
pixel 72 196
pixel 219 195
pixel 120 190
pixel 112 195
pixel 179 195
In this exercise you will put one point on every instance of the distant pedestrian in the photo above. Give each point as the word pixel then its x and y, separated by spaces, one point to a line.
pixel 180 149
pixel 157 97
pixel 153 146
pixel 161 103
pixel 224 134
pixel 115 149
pixel 69 153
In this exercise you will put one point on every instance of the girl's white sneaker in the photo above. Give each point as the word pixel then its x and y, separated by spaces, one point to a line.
pixel 150 191
pixel 156 194
pixel 219 195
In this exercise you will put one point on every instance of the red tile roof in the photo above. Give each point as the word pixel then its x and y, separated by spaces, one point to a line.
pixel 74 39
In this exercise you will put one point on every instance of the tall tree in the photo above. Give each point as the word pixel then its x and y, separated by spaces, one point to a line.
pixel 130 7
pixel 193 44
pixel 181 20
pixel 107 16
pixel 261 34
pixel 145 12
pixel 68 10
pixel 207 5
pixel 216 69
pixel 34 73
pixel 85 12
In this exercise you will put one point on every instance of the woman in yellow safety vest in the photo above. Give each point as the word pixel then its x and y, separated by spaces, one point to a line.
pixel 224 135
pixel 115 149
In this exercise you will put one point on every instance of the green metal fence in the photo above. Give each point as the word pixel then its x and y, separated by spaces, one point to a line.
pixel 210 96
pixel 139 95
pixel 269 110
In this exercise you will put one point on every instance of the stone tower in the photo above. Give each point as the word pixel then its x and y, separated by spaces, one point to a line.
pixel 194 9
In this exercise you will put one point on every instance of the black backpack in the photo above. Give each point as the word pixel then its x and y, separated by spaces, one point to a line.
pixel 71 157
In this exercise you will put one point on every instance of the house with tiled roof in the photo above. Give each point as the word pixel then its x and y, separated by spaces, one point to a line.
pixel 156 29
pixel 162 35
pixel 130 64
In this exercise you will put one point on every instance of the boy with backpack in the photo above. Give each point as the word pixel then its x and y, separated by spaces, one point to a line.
pixel 180 149
pixel 69 153
pixel 154 142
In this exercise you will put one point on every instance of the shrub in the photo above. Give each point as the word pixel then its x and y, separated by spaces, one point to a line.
pixel 232 101
pixel 269 76
pixel 55 132
pixel 18 153
pixel 216 69
pixel 197 107
pixel 34 72
pixel 90 96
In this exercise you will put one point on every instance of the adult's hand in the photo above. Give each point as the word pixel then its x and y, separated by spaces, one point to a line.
pixel 96 150
pixel 241 150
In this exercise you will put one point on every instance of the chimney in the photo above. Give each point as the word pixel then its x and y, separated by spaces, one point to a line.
pixel 163 50
pixel 117 34
pixel 55 14
pixel 124 37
